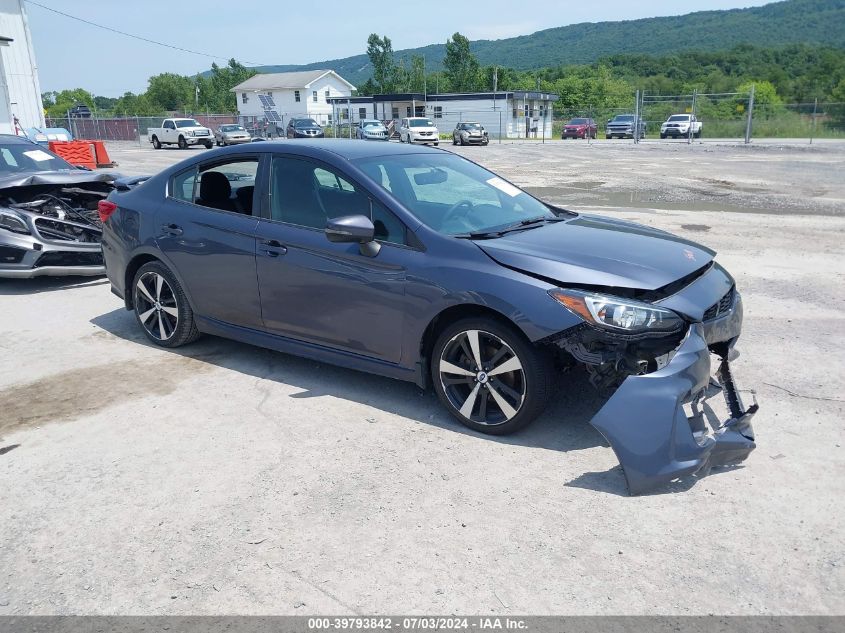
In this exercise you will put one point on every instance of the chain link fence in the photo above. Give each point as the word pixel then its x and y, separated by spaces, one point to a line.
pixel 136 128
pixel 724 117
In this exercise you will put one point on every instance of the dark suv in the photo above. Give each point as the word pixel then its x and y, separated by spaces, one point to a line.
pixel 623 126
pixel 304 128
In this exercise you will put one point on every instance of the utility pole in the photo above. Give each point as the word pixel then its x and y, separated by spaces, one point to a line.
pixel 636 126
pixel 813 128
pixel 495 84
pixel 750 116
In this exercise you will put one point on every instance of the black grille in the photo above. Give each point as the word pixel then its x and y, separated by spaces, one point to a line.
pixel 723 306
pixel 11 255
pixel 64 258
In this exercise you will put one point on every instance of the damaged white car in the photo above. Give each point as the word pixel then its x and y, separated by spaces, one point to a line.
pixel 49 223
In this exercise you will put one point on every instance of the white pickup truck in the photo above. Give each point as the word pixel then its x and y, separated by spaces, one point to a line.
pixel 681 125
pixel 181 132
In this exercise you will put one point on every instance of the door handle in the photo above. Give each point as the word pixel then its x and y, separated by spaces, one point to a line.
pixel 273 244
pixel 171 229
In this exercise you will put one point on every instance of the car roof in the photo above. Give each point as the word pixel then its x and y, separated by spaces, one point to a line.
pixel 344 148
pixel 9 139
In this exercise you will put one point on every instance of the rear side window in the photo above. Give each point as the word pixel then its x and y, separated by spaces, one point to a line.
pixel 183 185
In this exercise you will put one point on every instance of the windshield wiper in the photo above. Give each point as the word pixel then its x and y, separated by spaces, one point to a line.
pixel 522 225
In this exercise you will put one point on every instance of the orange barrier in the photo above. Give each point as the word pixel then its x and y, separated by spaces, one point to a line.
pixel 101 156
pixel 77 153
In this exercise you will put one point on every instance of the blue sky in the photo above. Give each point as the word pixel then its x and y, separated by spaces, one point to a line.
pixel 75 55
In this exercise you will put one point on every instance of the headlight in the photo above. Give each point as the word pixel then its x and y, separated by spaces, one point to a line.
pixel 13 222
pixel 614 313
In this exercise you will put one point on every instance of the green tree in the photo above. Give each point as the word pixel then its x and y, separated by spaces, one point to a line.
pixel 461 65
pixel 380 52
pixel 66 99
pixel 416 79
pixel 170 91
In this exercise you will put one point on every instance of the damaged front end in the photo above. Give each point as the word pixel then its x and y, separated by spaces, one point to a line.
pixel 49 225
pixel 659 420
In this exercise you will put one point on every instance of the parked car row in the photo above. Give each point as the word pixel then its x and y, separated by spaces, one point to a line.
pixel 629 125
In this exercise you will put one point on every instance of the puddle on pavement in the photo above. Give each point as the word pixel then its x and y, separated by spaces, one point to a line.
pixel 87 390
pixel 576 199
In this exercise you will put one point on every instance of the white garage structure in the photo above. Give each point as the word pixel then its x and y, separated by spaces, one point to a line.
pixel 20 91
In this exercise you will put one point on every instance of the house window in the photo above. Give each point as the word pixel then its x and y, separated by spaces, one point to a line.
pixel 244 97
pixel 394 113
pixel 408 111
pixel 438 112
pixel 296 95
pixel 314 96
pixel 328 94
pixel 514 112
pixel 362 113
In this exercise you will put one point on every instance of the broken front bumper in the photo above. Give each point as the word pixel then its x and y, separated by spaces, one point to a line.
pixel 28 256
pixel 645 420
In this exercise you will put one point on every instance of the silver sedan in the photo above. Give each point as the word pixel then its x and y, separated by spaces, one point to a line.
pixel 231 134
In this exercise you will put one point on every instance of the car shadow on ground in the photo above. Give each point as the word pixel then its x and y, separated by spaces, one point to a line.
pixel 564 426
pixel 9 287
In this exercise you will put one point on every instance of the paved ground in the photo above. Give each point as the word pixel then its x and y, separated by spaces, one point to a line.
pixel 228 479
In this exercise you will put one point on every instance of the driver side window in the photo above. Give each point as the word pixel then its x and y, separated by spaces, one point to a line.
pixel 306 194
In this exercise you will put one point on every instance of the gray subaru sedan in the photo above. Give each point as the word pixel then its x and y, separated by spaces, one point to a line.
pixel 417 264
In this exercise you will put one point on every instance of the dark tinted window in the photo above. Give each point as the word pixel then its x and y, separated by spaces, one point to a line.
pixel 308 194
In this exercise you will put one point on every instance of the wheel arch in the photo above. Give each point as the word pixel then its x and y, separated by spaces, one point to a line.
pixel 448 316
pixel 132 268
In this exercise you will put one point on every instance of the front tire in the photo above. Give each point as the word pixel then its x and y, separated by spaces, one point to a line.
pixel 183 144
pixel 161 307
pixel 489 376
pixel 209 145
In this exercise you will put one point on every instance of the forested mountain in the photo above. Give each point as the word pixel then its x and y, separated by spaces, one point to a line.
pixel 815 22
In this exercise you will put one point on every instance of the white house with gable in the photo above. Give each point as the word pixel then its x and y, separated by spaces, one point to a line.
pixel 296 94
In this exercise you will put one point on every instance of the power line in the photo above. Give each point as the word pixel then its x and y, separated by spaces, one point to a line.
pixel 137 37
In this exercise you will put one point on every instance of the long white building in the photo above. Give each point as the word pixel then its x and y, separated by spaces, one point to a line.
pixel 20 91
pixel 511 114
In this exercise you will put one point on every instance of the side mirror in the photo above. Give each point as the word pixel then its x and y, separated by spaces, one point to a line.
pixel 355 229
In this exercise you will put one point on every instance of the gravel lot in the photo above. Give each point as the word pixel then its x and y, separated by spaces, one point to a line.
pixel 223 478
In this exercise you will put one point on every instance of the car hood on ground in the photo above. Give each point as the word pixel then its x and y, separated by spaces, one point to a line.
pixel 596 251
pixel 66 177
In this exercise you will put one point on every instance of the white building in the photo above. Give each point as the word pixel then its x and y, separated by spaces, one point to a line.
pixel 20 92
pixel 297 94
pixel 513 114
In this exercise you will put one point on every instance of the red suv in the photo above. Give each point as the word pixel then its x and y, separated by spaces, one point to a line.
pixel 580 128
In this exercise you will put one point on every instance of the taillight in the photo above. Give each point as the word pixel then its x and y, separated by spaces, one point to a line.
pixel 105 208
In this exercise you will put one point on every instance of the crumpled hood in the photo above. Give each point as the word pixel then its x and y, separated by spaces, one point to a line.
pixel 597 251
pixel 68 177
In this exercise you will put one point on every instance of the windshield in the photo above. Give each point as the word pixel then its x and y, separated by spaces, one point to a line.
pixel 17 158
pixel 420 123
pixel 371 124
pixel 305 123
pixel 470 126
pixel 187 123
pixel 451 194
pixel 623 118
pixel 578 122
pixel 679 117
pixel 232 128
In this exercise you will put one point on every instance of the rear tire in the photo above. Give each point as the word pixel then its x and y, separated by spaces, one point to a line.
pixel 496 404
pixel 161 307
pixel 156 143
pixel 209 145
